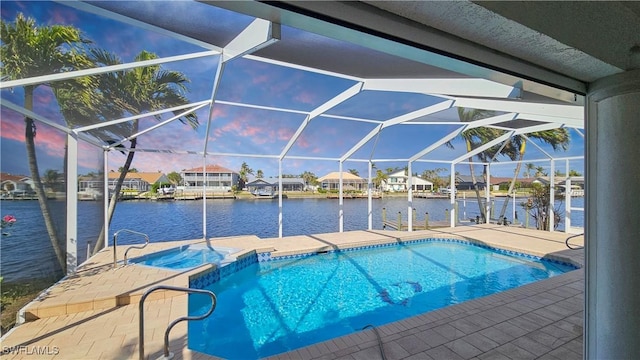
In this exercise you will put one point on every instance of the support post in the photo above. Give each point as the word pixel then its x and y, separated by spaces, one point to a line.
pixel 369 199
pixel 612 305
pixel 280 226
pixel 409 198
pixel 487 194
pixel 399 220
pixel 464 205
pixel 426 220
pixel 552 195
pixel 513 207
pixel 340 200
pixel 567 202
pixel 72 204
pixel 204 196
pixel 455 213
pixel 105 198
pixel 454 190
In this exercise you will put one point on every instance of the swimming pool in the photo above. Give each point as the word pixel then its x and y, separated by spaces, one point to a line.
pixel 187 256
pixel 277 306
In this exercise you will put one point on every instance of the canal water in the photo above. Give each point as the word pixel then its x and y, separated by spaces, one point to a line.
pixel 26 252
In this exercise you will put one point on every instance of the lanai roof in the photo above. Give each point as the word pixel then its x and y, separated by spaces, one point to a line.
pixel 225 43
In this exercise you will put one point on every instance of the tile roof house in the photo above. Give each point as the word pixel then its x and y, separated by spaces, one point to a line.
pixel 331 181
pixel 14 184
pixel 137 181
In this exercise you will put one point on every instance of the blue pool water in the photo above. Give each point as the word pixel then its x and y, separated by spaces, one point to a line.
pixel 186 257
pixel 277 306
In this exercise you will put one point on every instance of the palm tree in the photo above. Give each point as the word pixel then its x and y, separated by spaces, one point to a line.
pixel 434 176
pixel 50 178
pixel 529 169
pixel 174 177
pixel 244 172
pixel 29 50
pixel 557 138
pixel 309 178
pixel 259 174
pixel 354 172
pixel 136 91
pixel 474 138
pixel 380 178
pixel 540 171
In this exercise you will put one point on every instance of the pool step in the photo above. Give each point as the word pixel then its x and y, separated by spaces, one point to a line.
pixel 126 286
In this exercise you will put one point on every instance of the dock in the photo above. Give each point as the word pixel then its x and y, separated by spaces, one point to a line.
pixel 198 196
pixel 404 226
pixel 353 196
pixel 430 196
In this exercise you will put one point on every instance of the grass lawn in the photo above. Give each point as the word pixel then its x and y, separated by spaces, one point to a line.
pixel 16 295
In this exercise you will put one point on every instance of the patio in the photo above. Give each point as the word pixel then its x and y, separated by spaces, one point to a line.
pixel 77 319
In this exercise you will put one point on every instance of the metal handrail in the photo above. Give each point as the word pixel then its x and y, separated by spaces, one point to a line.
pixel 166 353
pixel 146 242
pixel 573 247
pixel 115 244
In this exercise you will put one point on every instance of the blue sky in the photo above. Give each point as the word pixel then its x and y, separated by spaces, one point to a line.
pixel 235 129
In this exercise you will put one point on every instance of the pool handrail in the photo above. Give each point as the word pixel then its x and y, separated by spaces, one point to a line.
pixel 115 245
pixel 166 353
pixel 566 242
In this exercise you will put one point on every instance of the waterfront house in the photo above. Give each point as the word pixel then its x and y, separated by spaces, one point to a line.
pixel 260 186
pixel 398 182
pixel 290 183
pixel 16 185
pixel 137 182
pixel 576 181
pixel 577 184
pixel 134 183
pixel 331 181
pixel 272 184
pixel 465 182
pixel 216 178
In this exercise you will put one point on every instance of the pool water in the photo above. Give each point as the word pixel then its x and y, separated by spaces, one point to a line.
pixel 186 257
pixel 277 306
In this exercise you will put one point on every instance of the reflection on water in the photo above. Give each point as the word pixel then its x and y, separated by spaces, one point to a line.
pixel 27 252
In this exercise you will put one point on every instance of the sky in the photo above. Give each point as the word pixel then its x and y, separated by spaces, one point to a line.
pixel 239 130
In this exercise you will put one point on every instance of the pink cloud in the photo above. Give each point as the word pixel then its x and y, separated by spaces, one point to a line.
pixel 306 98
pixel 261 79
pixel 63 16
pixel 285 134
pixel 12 126
pixel 257 132
pixel 303 141
pixel 89 156
pixel 47 138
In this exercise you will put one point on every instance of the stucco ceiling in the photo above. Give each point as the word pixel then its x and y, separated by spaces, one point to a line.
pixel 583 40
pixel 563 44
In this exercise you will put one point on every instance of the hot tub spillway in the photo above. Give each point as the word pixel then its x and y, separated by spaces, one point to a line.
pixel 188 257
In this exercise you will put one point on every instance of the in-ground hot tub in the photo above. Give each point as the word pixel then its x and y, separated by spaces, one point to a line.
pixel 188 256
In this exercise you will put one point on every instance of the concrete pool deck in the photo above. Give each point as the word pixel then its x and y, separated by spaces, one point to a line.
pixel 94 314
